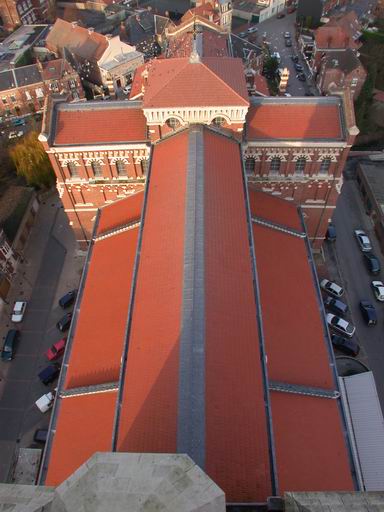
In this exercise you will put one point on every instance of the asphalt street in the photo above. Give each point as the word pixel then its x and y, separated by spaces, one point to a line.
pixel 19 415
pixel 345 265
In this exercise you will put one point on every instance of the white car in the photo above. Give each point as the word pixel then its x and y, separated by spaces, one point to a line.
pixel 363 240
pixel 378 290
pixel 251 30
pixel 340 325
pixel 18 311
pixel 287 35
pixel 331 288
pixel 45 402
pixel 243 34
pixel 276 55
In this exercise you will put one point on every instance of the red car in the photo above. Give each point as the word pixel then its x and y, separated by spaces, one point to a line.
pixel 56 350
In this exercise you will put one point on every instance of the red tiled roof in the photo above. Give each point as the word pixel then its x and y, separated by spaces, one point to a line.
pixel 293 120
pixel 236 437
pixel 273 208
pixel 84 426
pixel 54 69
pixel 310 446
pixel 84 43
pixel 214 44
pixel 100 330
pixel 205 10
pixel 149 408
pixel 120 212
pixel 86 126
pixel 214 81
pixel 261 84
pixel 333 36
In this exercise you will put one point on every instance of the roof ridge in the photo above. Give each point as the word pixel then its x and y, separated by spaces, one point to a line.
pixel 219 77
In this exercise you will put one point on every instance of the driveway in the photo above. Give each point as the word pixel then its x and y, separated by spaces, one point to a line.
pixel 344 262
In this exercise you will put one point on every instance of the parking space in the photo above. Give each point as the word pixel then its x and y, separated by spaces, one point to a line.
pixel 344 264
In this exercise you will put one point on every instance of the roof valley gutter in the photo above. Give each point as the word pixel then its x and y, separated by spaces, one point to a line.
pixel 191 402
pixel 263 357
pixel 63 373
pixel 124 355
pixel 332 360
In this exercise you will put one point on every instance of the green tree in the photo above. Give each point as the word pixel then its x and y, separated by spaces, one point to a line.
pixel 32 162
pixel 271 65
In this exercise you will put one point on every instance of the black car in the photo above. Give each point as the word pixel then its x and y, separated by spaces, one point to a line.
pixel 295 58
pixel 369 312
pixel 288 42
pixel 298 67
pixel 64 323
pixel 41 435
pixel 301 77
pixel 9 347
pixel 331 233
pixel 309 93
pixel 49 374
pixel 349 347
pixel 335 305
pixel 372 263
pixel 68 299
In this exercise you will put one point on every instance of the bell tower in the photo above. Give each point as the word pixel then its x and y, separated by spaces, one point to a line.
pixel 225 11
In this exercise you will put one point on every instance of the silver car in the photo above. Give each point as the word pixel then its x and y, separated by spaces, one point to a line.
pixel 363 240
pixel 331 288
pixel 340 325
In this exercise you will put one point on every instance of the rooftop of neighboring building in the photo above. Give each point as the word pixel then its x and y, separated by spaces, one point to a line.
pixel 333 36
pixel 209 43
pixel 349 22
pixel 15 46
pixel 374 177
pixel 248 6
pixel 295 119
pixel 55 69
pixel 20 77
pixel 346 61
pixel 84 42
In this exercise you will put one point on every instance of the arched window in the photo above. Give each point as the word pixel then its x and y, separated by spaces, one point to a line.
pixel 250 165
pixel 144 166
pixel 96 168
pixel 120 167
pixel 275 165
pixel 173 123
pixel 218 121
pixel 324 166
pixel 72 169
pixel 300 165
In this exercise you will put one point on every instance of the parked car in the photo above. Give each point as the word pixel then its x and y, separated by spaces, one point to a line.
pixel 331 288
pixel 340 325
pixel 335 305
pixel 280 15
pixel 56 350
pixel 253 29
pixel 295 58
pixel 50 373
pixel 276 55
pixel 298 66
pixel 15 135
pixel 9 347
pixel 378 290
pixel 41 435
pixel 18 122
pixel 291 9
pixel 309 93
pixel 349 347
pixel 242 34
pixel 287 35
pixel 331 233
pixel 64 323
pixel 68 299
pixel 288 43
pixel 363 240
pixel 18 311
pixel 45 402
pixel 301 77
pixel 372 263
pixel 369 312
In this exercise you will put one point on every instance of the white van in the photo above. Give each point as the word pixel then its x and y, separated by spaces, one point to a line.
pixel 45 402
pixel 276 55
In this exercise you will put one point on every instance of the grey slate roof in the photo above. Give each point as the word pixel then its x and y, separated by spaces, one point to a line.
pixel 346 61
pixel 20 77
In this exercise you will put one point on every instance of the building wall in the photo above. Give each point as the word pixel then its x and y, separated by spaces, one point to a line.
pixel 22 12
pixel 316 189
pixel 82 194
